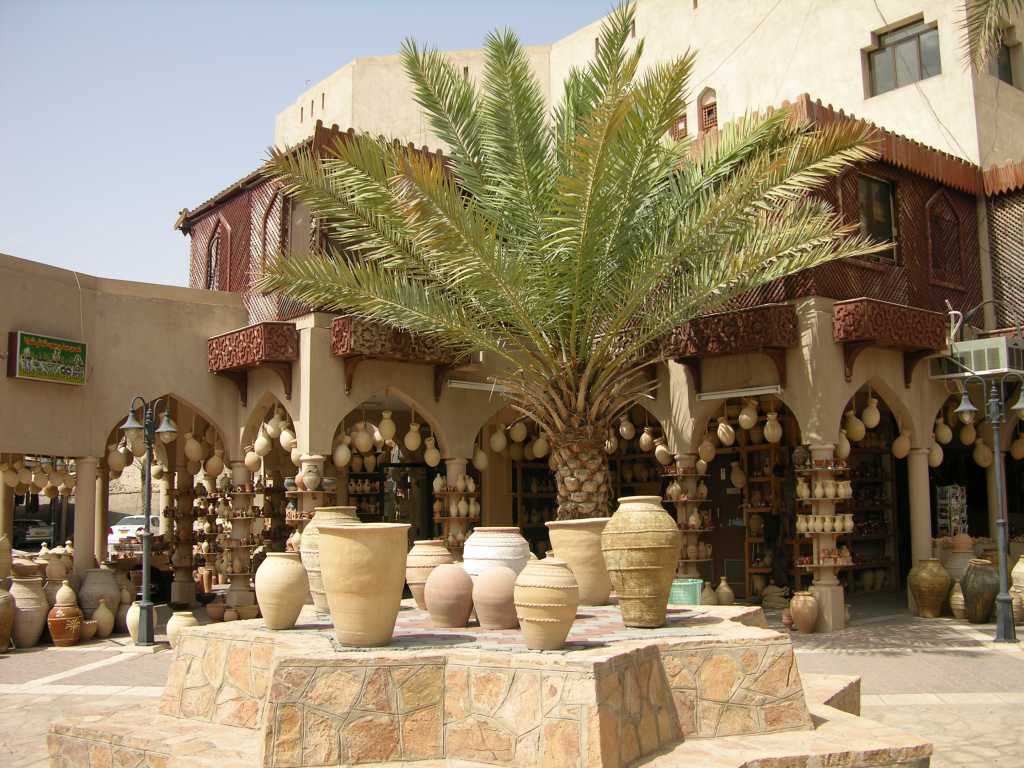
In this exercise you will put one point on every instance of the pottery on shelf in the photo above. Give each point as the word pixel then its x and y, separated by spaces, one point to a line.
pixel 724 593
pixel 363 570
pixel 490 546
pixel 448 593
pixel 493 598
pixel 980 584
pixel 424 557
pixel 641 546
pixel 546 596
pixel 578 542
pixel 178 621
pixel 309 546
pixel 312 471
pixel 281 589
pixel 772 428
pixel 30 609
pixel 756 525
pixel 708 596
pixel 804 607
pixel 929 584
pixel 99 583
pixel 956 601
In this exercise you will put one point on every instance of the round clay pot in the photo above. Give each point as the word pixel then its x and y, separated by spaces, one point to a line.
pixel 99 583
pixel 363 570
pixel 980 585
pixel 1017 574
pixel 104 619
pixel 216 611
pixel 640 545
pixel 546 596
pixel 88 629
pixel 448 594
pixel 178 621
pixel 956 601
pixel 487 547
pixel 423 558
pixel 6 617
pixel 131 620
pixel 281 589
pixel 30 608
pixel 804 607
pixel 724 593
pixel 929 584
pixel 65 624
pixel 493 598
pixel 578 542
pixel 309 547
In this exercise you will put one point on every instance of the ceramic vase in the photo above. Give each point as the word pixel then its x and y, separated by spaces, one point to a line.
pixel 980 585
pixel 65 624
pixel 178 621
pixel 5 557
pixel 578 542
pixel 724 593
pixel 6 617
pixel 956 601
pixel 309 547
pixel 493 598
pixel 772 428
pixel 490 546
pixel 121 617
pixel 363 570
pixel 30 608
pixel 708 596
pixel 131 620
pixel 1017 574
pixel 804 607
pixel 546 596
pixel 99 583
pixel 641 546
pixel 423 558
pixel 281 589
pixel 104 619
pixel 737 476
pixel 929 584
pixel 448 593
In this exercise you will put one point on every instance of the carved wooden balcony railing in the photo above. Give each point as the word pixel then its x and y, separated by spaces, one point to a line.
pixel 271 345
pixel 861 323
pixel 769 329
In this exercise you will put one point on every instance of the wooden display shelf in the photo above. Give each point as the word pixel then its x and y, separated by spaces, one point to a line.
pixel 364 493
pixel 449 517
pixel 817 500
pixel 759 510
pixel 755 539
pixel 811 470
pixel 545 496
pixel 874 564
pixel 871 480
pixel 472 494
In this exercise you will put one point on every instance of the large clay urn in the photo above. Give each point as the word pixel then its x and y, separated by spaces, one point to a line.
pixel 65 619
pixel 6 617
pixel 99 583
pixel 131 619
pixel 5 557
pixel 487 547
pixel 363 570
pixel 493 598
pixel 546 596
pixel 423 558
pixel 281 589
pixel 804 608
pixel 578 542
pixel 309 547
pixel 448 594
pixel 640 545
pixel 929 584
pixel 178 621
pixel 980 585
pixel 30 608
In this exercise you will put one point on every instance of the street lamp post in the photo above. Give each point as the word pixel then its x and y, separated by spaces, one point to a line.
pixel 1005 632
pixel 147 432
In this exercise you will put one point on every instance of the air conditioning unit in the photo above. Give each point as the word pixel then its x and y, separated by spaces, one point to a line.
pixel 984 357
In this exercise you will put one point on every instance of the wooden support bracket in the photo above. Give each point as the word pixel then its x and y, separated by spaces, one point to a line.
pixel 349 365
pixel 910 360
pixel 778 356
pixel 240 378
pixel 441 372
pixel 851 350
pixel 693 363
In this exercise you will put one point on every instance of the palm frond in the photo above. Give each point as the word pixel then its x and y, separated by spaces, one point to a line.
pixel 983 24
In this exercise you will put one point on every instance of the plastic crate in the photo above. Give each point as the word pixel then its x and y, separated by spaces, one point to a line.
pixel 685 591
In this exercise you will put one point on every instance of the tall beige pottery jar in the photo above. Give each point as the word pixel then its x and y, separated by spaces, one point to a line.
pixel 578 542
pixel 131 619
pixel 804 607
pixel 641 549
pixel 309 547
pixel 6 617
pixel 425 556
pixel 99 583
pixel 281 589
pixel 546 596
pixel 363 569
pixel 30 609
pixel 178 621
pixel 487 547
pixel 1017 574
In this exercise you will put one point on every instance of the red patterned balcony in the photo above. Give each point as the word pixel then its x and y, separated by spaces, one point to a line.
pixel 861 323
pixel 274 346
pixel 768 329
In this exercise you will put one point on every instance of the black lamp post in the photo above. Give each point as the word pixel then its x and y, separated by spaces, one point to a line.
pixel 147 431
pixel 1005 632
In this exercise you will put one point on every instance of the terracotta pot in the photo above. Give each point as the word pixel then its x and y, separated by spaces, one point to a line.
pixel 804 607
pixel 6 617
pixel 65 623
pixel 980 585
pixel 89 627
pixel 724 593
pixel 104 619
pixel 423 558
pixel 956 601
pixel 131 620
pixel 99 583
pixel 281 589
pixel 487 547
pixel 178 621
pixel 363 570
pixel 546 596
pixel 963 543
pixel 1017 605
pixel 448 594
pixel 215 611
pixel 30 608
pixel 787 618
pixel 640 545
pixel 578 542
pixel 929 584
pixel 247 612
pixel 309 547
pixel 493 598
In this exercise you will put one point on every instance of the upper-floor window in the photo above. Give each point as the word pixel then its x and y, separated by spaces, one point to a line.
pixel 1004 64
pixel 708 106
pixel 904 56
pixel 679 130
pixel 1005 60
pixel 876 200
pixel 213 260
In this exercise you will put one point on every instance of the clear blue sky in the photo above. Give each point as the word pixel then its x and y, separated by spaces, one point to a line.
pixel 116 115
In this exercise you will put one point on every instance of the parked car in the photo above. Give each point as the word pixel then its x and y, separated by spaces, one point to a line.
pixel 130 527
pixel 32 531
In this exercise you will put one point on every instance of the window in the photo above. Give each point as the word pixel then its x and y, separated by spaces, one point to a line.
pixel 1004 64
pixel 875 199
pixel 904 56
pixel 944 240
pixel 708 110
pixel 679 131
pixel 301 114
pixel 213 260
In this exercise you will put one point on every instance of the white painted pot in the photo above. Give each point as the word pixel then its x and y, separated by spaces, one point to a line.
pixel 487 547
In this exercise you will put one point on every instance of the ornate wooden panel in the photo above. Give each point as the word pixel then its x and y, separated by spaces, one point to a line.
pixel 264 345
pixel 1006 244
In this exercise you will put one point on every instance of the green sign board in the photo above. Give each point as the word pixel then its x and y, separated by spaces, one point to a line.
pixel 45 358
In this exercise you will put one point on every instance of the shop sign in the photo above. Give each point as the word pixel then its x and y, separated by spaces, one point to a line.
pixel 45 358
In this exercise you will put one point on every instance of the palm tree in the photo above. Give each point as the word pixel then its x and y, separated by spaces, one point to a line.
pixel 565 246
pixel 983 26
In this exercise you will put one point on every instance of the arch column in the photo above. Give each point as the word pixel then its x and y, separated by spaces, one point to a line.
pixel 7 513
pixel 102 521
pixel 826 587
pixel 919 491
pixel 85 512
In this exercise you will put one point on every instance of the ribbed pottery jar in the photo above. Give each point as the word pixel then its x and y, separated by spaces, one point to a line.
pixel 448 595
pixel 424 557
pixel 30 608
pixel 178 621
pixel 493 598
pixel 6 617
pixel 956 601
pixel 490 546
pixel 281 588
pixel 546 596
pixel 929 584
pixel 980 585
pixel 309 547
pixel 578 542
pixel 804 608
pixel 640 545
pixel 363 571
pixel 99 583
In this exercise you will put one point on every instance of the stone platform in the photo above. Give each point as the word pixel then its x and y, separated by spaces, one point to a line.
pixel 713 687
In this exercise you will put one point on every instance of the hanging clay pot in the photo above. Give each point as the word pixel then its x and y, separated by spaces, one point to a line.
pixel 309 547
pixel 956 601
pixel 929 584
pixel 499 440
pixel 706 450
pixel 518 432
pixel 30 609
pixel 747 417
pixel 179 620
pixel 724 593
pixel 282 588
pixel 386 427
pixel 626 429
pixel 341 455
pixel 422 559
pixel 448 594
pixel 935 455
pixel 855 429
pixel 772 428
pixel 546 596
pixel 737 476
pixel 646 441
pixel 980 584
pixel 1017 448
pixel 490 546
pixel 578 542
pixel 480 459
pixel 431 455
pixel 804 608
pixel 943 434
pixel 662 453
pixel 901 445
pixel 968 434
pixel 726 434
pixel 871 416
pixel 413 438
pixel 982 454
pixel 611 445
pixel 842 446
pixel 493 598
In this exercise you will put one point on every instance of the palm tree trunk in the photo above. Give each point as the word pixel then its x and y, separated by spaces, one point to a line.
pixel 581 474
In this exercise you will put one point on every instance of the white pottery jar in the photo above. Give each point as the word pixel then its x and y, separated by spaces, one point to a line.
pixel 726 434
pixel 480 460
pixel 626 428
pixel 518 432
pixel 178 621
pixel 855 429
pixel 830 489
pixel 737 476
pixel 943 434
pixel 772 428
pixel 901 445
pixel 499 440
pixel 747 417
pixel 431 455
pixel 842 446
pixel 281 589
pixel 312 471
pixel 801 523
pixel 413 439
pixel 706 450
pixel 386 427
pixel 871 416
pixel 803 490
pixel 341 455
pixel 662 453
pixel 490 546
